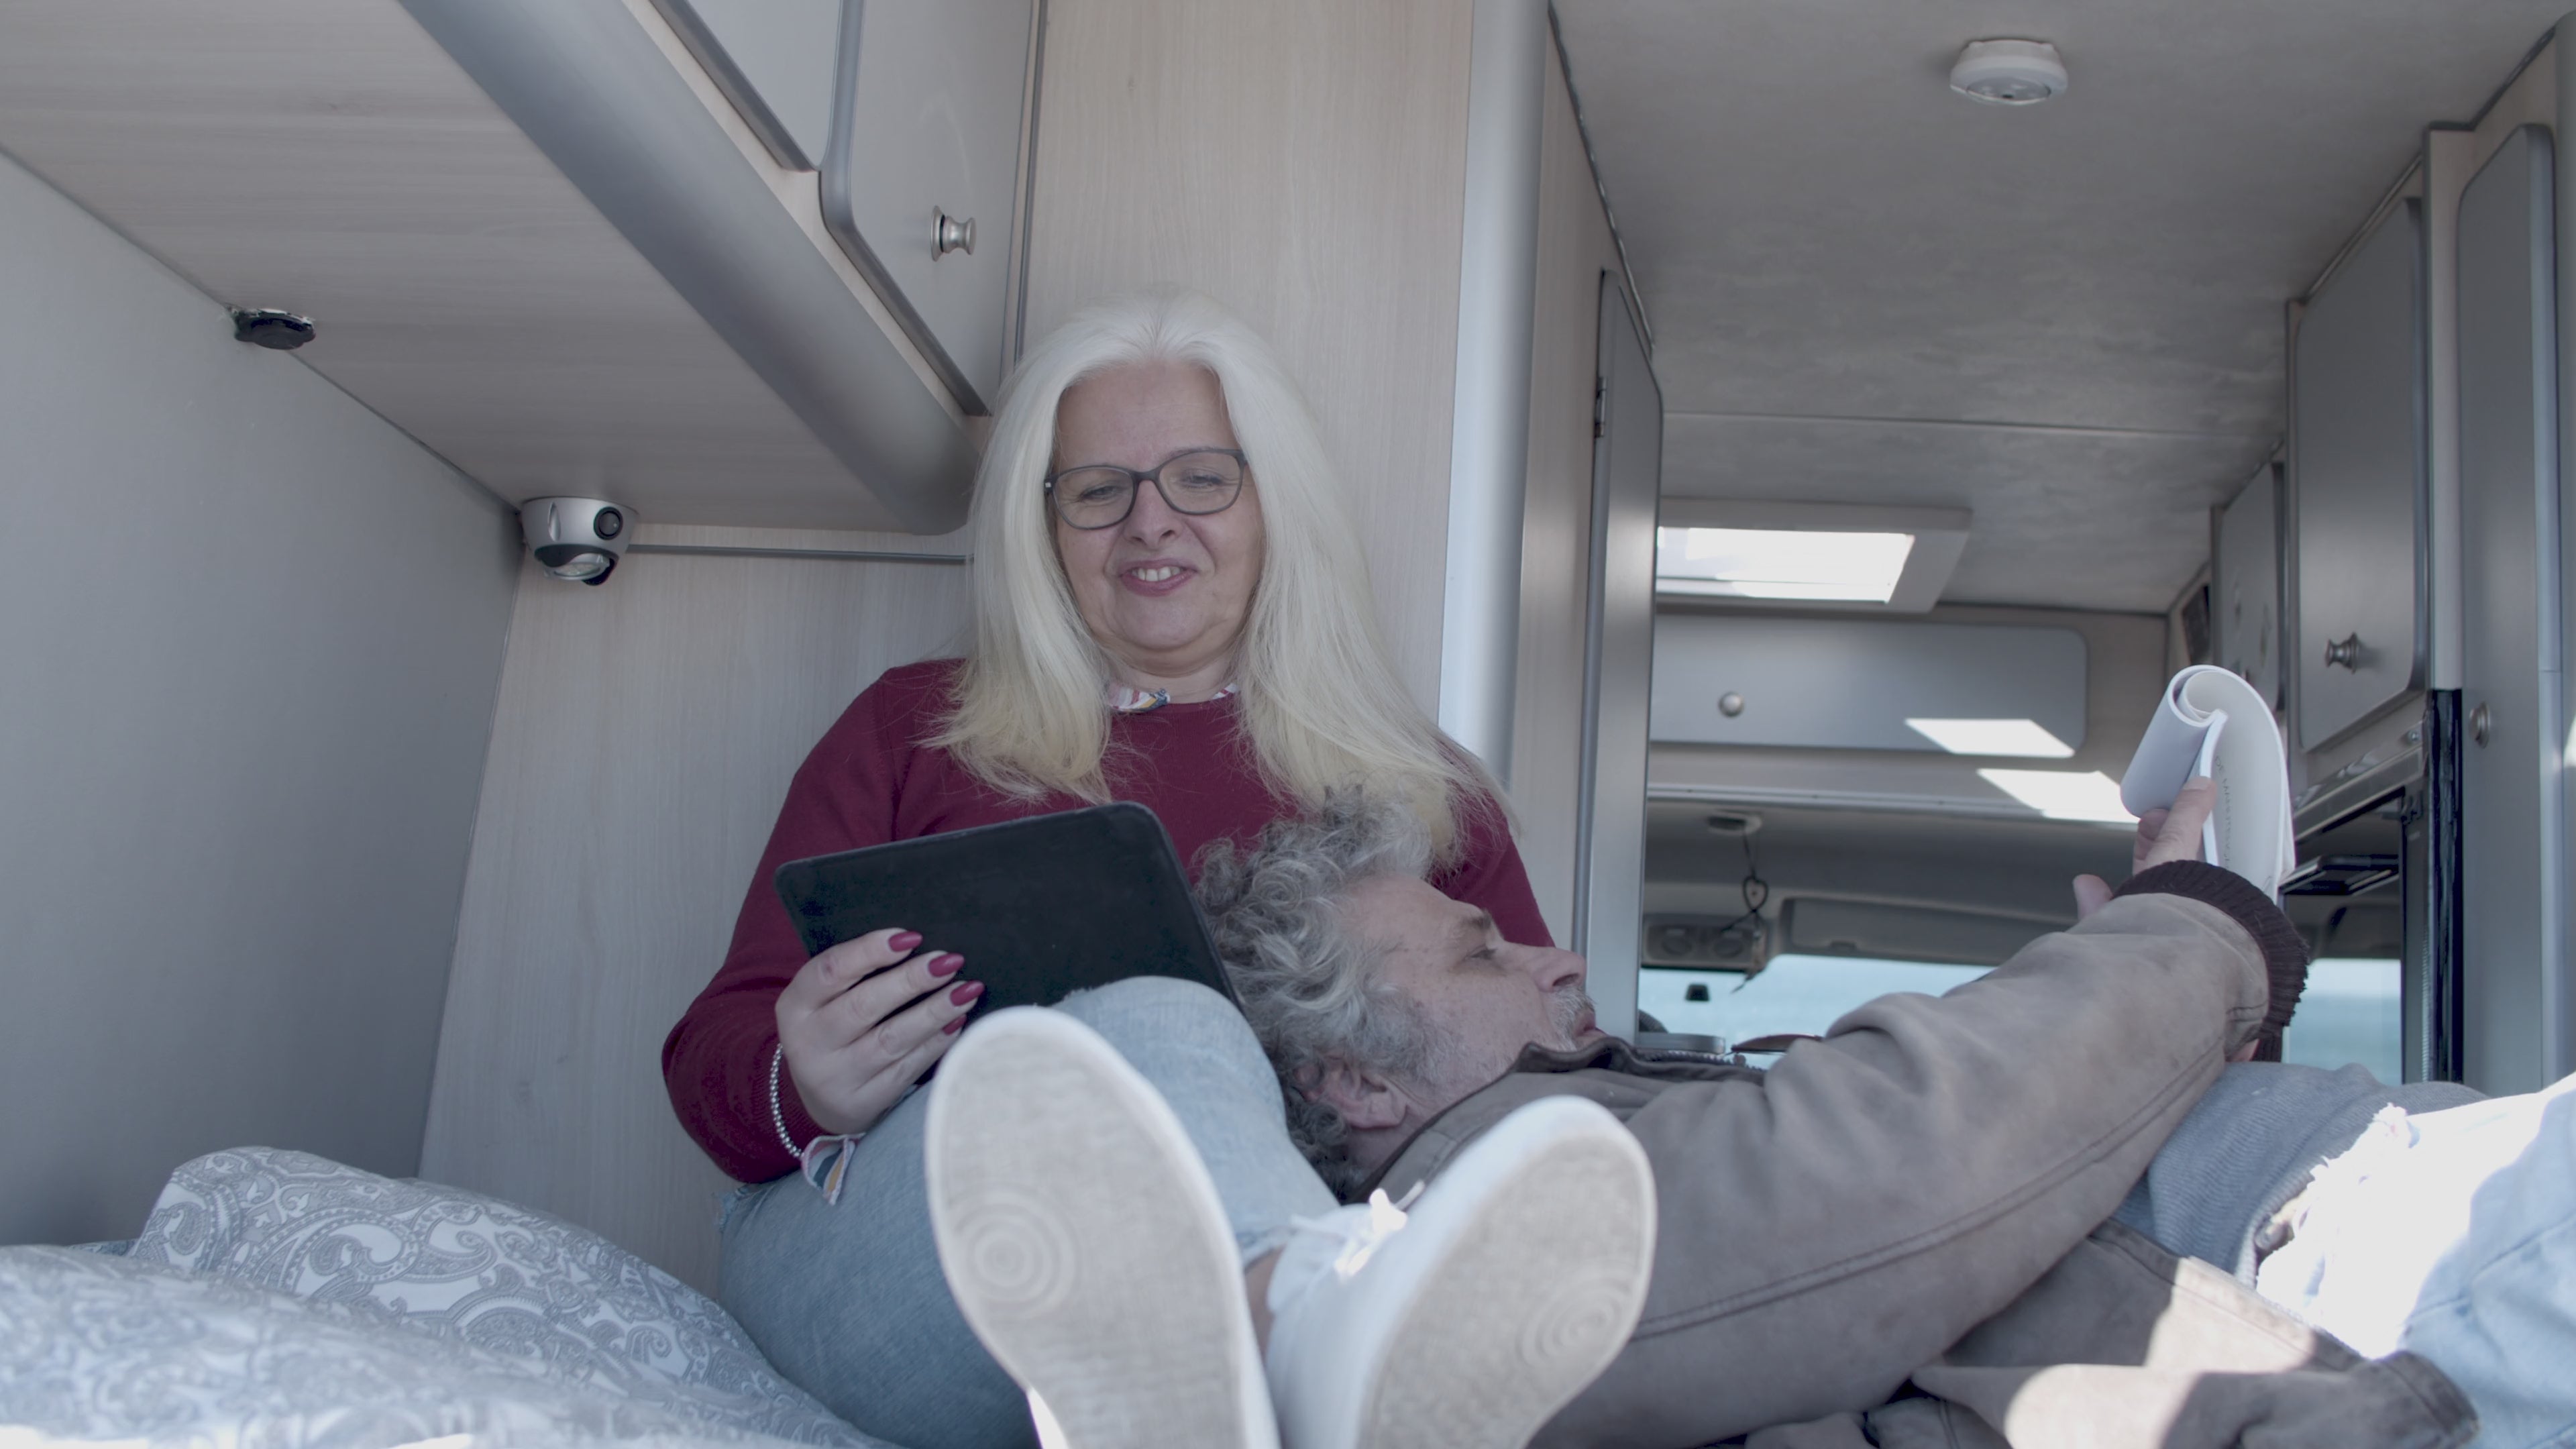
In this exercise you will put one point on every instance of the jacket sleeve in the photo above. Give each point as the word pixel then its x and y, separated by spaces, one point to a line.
pixel 1829 1228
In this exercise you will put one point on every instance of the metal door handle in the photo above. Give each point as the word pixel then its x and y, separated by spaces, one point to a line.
pixel 2478 725
pixel 2345 651
pixel 949 234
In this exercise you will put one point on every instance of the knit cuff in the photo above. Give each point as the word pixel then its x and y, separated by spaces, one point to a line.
pixel 2285 954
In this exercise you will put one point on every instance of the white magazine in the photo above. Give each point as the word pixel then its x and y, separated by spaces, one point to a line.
pixel 2212 723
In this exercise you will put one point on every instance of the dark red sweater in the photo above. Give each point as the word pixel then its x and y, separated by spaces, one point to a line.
pixel 872 780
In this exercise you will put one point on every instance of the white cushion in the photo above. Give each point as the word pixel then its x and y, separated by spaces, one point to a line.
pixel 97 1347
pixel 479 1272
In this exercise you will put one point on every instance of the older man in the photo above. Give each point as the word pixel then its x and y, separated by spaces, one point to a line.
pixel 1829 1228
pixel 1921 1194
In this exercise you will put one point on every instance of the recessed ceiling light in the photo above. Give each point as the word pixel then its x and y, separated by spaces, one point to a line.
pixel 2025 737
pixel 2063 794
pixel 2009 72
pixel 1763 563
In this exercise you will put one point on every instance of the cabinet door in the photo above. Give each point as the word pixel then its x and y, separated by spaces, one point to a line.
pixel 2357 460
pixel 925 155
pixel 776 60
pixel 2512 836
pixel 2245 587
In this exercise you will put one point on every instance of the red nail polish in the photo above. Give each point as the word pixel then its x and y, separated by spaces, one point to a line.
pixel 946 964
pixel 954 1027
pixel 966 991
pixel 903 940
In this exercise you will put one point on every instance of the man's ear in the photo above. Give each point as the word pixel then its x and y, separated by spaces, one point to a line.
pixel 1367 1101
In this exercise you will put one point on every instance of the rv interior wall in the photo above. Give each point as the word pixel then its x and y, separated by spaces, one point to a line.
pixel 1302 164
pixel 1574 248
pixel 251 636
pixel 645 737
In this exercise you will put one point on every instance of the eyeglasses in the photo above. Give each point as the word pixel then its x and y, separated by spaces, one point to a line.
pixel 1101 495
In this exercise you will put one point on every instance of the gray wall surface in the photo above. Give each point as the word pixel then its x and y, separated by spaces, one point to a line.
pixel 645 736
pixel 250 641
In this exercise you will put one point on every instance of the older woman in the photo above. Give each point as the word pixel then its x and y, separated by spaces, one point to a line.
pixel 1171 608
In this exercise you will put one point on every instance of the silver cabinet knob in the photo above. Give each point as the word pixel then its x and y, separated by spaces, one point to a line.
pixel 1730 704
pixel 2345 651
pixel 949 234
pixel 2479 725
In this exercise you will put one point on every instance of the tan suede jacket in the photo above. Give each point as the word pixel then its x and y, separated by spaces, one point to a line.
pixel 1832 1230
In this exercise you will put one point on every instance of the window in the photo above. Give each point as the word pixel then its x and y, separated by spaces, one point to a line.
pixel 2349 1013
pixel 1793 994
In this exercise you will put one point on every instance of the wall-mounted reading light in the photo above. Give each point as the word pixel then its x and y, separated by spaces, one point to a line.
pixel 578 540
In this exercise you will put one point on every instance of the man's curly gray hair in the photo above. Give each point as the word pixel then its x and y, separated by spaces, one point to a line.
pixel 1308 982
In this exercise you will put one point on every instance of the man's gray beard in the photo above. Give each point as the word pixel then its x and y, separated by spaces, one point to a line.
pixel 1446 1075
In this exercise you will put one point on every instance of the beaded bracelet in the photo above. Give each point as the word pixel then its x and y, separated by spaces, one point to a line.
pixel 825 1161
pixel 777 1115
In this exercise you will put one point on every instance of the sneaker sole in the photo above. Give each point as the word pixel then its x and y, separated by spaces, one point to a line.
pixel 1527 1309
pixel 1085 1244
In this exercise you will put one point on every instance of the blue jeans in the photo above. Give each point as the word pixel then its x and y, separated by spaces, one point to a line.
pixel 848 1301
pixel 2453 1234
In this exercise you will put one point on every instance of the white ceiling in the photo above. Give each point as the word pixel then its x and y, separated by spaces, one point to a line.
pixel 2067 317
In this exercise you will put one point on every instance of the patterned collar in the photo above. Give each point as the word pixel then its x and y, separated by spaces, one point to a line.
pixel 1128 699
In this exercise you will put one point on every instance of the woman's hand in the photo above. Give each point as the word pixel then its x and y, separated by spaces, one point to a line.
pixel 2163 836
pixel 852 1046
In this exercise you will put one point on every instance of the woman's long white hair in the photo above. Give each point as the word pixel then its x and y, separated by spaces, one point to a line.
pixel 1321 704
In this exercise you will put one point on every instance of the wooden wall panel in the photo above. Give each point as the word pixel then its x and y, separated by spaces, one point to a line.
pixel 645 736
pixel 1304 164
pixel 1574 248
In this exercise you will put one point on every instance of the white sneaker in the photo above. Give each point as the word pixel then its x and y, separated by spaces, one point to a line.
pixel 1470 1320
pixel 1086 1245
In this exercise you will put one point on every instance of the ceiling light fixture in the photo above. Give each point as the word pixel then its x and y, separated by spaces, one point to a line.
pixel 2024 737
pixel 2009 72
pixel 1828 555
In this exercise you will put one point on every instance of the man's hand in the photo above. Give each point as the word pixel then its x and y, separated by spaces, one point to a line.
pixel 2163 835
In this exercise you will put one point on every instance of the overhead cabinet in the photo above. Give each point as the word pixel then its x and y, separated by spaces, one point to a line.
pixel 2245 584
pixel 776 60
pixel 914 117
pixel 582 246
pixel 2358 466
pixel 921 180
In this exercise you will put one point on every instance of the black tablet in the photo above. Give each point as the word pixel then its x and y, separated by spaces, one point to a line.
pixel 1040 908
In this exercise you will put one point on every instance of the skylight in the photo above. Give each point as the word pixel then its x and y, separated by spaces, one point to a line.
pixel 2025 737
pixel 1767 563
pixel 2063 794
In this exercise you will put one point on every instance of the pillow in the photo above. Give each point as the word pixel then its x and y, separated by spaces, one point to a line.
pixel 94 1346
pixel 477 1271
